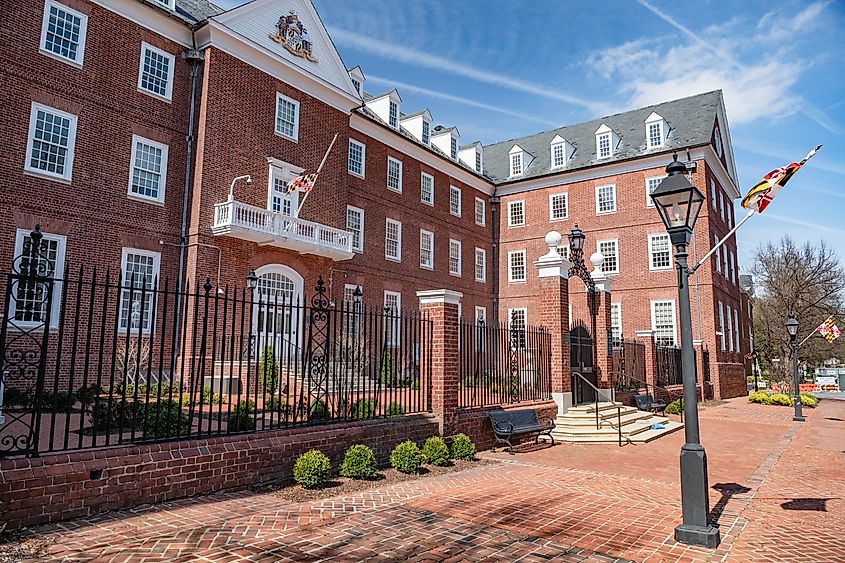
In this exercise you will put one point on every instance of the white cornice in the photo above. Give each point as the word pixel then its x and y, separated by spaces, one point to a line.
pixel 150 18
pixel 221 37
pixel 418 152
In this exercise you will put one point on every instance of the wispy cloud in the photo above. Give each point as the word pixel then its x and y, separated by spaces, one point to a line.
pixel 408 55
pixel 781 154
pixel 404 86
pixel 805 224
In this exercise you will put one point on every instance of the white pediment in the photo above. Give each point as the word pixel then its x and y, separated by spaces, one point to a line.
pixel 557 139
pixel 603 129
pixel 515 149
pixel 654 117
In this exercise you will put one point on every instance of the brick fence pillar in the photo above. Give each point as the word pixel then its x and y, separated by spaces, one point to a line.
pixel 604 330
pixel 441 306
pixel 647 338
pixel 553 271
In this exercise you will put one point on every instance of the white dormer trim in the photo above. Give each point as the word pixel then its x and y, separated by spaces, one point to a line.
pixel 358 79
pixel 381 107
pixel 606 139
pixel 445 139
pixel 655 120
pixel 415 126
pixel 518 161
pixel 559 146
pixel 472 156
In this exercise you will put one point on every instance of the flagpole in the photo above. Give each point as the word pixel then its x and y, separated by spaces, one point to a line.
pixel 723 241
pixel 814 331
pixel 320 169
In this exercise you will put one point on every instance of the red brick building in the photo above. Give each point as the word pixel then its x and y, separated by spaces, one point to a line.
pixel 157 137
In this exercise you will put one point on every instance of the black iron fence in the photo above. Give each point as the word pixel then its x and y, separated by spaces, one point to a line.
pixel 667 366
pixel 129 359
pixel 501 364
pixel 628 367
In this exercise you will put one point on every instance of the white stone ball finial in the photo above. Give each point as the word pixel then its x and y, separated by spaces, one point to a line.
pixel 553 239
pixel 597 259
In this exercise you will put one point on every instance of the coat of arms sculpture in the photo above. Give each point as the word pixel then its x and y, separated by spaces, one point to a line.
pixel 293 36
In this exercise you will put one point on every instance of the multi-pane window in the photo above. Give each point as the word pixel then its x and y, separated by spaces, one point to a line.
pixel 394 174
pixel 478 161
pixel 616 322
pixel 713 193
pixel 426 249
pixel 149 169
pixel 455 201
pixel 287 117
pixel 651 185
pixel 454 147
pixel 603 142
pixel 355 164
pixel 736 328
pixel 663 322
pixel 518 323
pixel 280 200
pixel 140 274
pixel 655 134
pixel 393 308
pixel 730 329
pixel 480 322
pixel 393 115
pixel 28 303
pixel 52 136
pixel 610 250
pixel 480 213
pixel 516 213
pixel 455 257
pixel 352 306
pixel 426 132
pixel 155 75
pixel 721 205
pixel 426 188
pixel 717 137
pixel 730 265
pixel 558 155
pixel 63 32
pixel 516 266
pixel 393 240
pixel 722 325
pixel 357 85
pixel 558 207
pixel 480 264
pixel 563 250
pixel 606 199
pixel 516 164
pixel 355 225
pixel 659 252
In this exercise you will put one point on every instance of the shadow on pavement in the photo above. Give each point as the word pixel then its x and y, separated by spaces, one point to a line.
pixel 727 490
pixel 815 504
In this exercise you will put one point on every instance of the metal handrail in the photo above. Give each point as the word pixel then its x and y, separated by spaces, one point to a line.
pixel 653 386
pixel 596 408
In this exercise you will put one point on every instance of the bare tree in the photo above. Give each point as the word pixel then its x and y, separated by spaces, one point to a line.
pixel 806 280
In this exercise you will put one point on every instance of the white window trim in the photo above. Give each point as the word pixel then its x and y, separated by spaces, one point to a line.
pixel 717 140
pixel 425 175
pixel 713 194
pixel 615 203
pixel 513 157
pixel 83 33
pixel 71 143
pixel 483 311
pixel 460 257
pixel 512 204
pixel 483 253
pixel 722 324
pixel 167 3
pixel 651 265
pixel 361 211
pixel 648 201
pixel 730 329
pixel 58 274
pixel 399 162
pixel 295 136
pixel 609 136
pixel 674 317
pixel 737 330
pixel 552 148
pixel 168 95
pixel 125 285
pixel 460 200
pixel 398 257
pixel 363 172
pixel 483 212
pixel 618 258
pixel 282 171
pixel 662 126
pixel 395 323
pixel 551 206
pixel 164 151
pixel 430 265
pixel 618 306
pixel 511 254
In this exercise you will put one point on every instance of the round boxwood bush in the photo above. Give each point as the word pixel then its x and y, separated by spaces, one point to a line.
pixel 435 452
pixel 395 409
pixel 164 419
pixel 363 408
pixel 808 400
pixel 359 463
pixel 781 399
pixel 406 457
pixel 758 397
pixel 115 415
pixel 312 469
pixel 675 407
pixel 462 448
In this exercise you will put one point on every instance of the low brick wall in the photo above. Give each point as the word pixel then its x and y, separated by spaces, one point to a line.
pixel 63 486
pixel 476 424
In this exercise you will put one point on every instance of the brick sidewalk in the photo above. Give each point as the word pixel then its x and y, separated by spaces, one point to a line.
pixel 567 503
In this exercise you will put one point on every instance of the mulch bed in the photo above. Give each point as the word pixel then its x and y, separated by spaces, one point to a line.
pixel 342 486
pixel 17 546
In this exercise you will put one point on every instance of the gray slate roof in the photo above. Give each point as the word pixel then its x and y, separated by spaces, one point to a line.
pixel 690 122
pixel 189 11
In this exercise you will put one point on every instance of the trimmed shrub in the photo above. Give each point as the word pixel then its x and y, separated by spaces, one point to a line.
pixel 163 388
pixel 468 382
pixel 462 448
pixel 808 400
pixel 415 384
pixel 86 395
pixel 435 452
pixel 318 410
pixel 359 463
pixel 115 416
pixel 164 419
pixel 675 407
pixel 780 399
pixel 406 457
pixel 312 469
pixel 209 398
pixel 363 408
pixel 276 404
pixel 13 397
pixel 760 397
pixel 241 419
pixel 395 409
pixel 58 401
pixel 269 370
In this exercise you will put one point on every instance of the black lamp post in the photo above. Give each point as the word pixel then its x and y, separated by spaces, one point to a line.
pixel 792 329
pixel 679 203
pixel 579 268
pixel 251 280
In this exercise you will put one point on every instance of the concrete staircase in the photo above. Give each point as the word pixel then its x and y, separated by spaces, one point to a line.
pixel 578 425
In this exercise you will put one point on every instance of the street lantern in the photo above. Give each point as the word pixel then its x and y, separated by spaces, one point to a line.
pixel 792 326
pixel 251 280
pixel 678 203
pixel 357 295
pixel 576 239
pixel 792 330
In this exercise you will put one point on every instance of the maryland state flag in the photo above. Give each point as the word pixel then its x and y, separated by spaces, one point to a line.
pixel 764 191
pixel 829 330
pixel 304 183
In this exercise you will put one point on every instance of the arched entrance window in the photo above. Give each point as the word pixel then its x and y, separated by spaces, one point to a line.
pixel 277 319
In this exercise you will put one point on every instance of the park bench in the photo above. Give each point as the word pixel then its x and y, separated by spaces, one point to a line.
pixel 647 403
pixel 510 424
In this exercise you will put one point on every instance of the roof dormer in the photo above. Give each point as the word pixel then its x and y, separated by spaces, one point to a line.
pixel 358 78
pixel 447 140
pixel 656 131
pixel 386 106
pixel 419 125
pixel 606 142
pixel 472 156
pixel 519 160
pixel 560 151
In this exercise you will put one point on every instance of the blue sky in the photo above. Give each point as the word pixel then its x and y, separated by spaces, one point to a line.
pixel 502 69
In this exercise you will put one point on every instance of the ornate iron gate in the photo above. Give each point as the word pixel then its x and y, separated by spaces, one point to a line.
pixel 582 356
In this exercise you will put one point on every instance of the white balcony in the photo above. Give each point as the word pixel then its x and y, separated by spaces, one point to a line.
pixel 256 224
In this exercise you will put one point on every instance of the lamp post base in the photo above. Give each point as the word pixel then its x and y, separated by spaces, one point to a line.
pixel 798 418
pixel 704 536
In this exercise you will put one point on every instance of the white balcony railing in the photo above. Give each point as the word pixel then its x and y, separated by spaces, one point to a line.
pixel 249 222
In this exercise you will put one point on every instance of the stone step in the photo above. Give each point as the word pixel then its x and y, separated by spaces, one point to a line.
pixel 627 417
pixel 634 427
pixel 591 408
pixel 639 438
pixel 606 414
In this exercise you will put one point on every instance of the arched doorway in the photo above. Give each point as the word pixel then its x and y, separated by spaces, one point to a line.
pixel 581 361
pixel 277 319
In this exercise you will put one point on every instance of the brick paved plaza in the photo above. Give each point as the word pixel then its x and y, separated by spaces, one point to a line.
pixel 777 487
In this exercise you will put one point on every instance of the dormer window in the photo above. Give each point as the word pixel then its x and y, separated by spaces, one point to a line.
pixel 426 132
pixel 558 155
pixel 717 139
pixel 454 149
pixel 516 164
pixel 357 77
pixel 393 117
pixel 655 131
pixel 603 143
pixel 357 86
pixel 478 162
